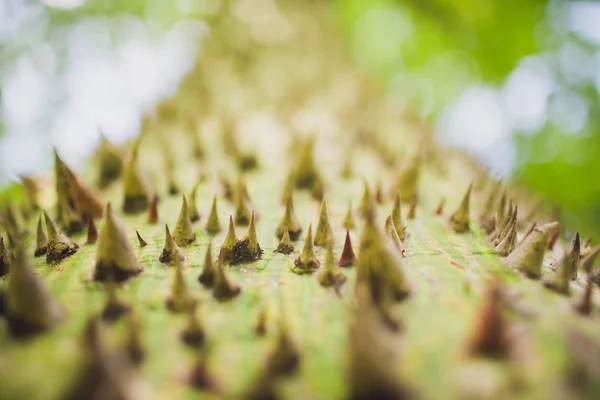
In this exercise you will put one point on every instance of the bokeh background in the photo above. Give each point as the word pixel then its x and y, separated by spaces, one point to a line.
pixel 515 83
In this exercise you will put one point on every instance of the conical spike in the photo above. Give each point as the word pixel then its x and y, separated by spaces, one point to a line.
pixel 501 207
pixel 226 251
pixel 529 230
pixel 284 358
pixel 553 238
pixel 379 193
pixel 193 209
pixel 486 217
pixel 207 276
pixel 115 307
pixel 92 232
pixel 367 205
pixel 559 283
pixel 490 336
pixel 585 305
pixel 134 346
pixel 153 210
pixel 412 209
pixel 242 213
pixel 307 262
pixel 213 226
pixel 184 232
pixel 141 240
pixel 171 253
pixel 5 260
pixel 587 263
pixel 330 274
pixel 348 258
pixel 512 220
pixel 85 201
pixel 224 289
pixel 349 218
pixel 586 247
pixel 30 308
pixel 507 245
pixel 408 178
pixel 324 234
pixel 247 249
pixel 70 220
pixel 41 240
pixel 115 258
pixel 135 187
pixel 289 222
pixel 501 225
pixel 528 256
pixel 285 246
pixel 111 162
pixel 200 376
pixel 439 209
pixel 179 299
pixel 459 220
pixel 62 175
pixel 306 175
pixel 59 245
pixel 397 217
pixel 197 145
pixel 570 259
pixel 288 189
pixel 379 266
pixel 193 334
pixel 393 234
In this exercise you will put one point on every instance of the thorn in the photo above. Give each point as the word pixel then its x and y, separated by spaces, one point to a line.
pixel 288 189
pixel 184 233
pixel 507 244
pixel 171 252
pixel 349 218
pixel 459 220
pixel 153 210
pixel 213 226
pixel 586 247
pixel 141 240
pixel 307 262
pixel 289 222
pixel 197 146
pixel 330 274
pixel 111 162
pixel 85 201
pixel 439 209
pixel 348 258
pixel 242 214
pixel 70 220
pixel 528 256
pixel 570 259
pixel 397 217
pixel 134 347
pixel 135 186
pixel 379 194
pixel 226 251
pixel 553 238
pixel 224 289
pixel 115 307
pixel 378 265
pixel 324 233
pixel 193 335
pixel 511 220
pixel 501 207
pixel 193 209
pixel 489 337
pixel 393 234
pixel 41 240
pixel 587 263
pixel 412 209
pixel 585 305
pixel 408 179
pixel 260 328
pixel 207 276
pixel 59 245
pixel 560 282
pixel 306 175
pixel 531 228
pixel 92 232
pixel 5 259
pixel 285 246
pixel 486 218
pixel 179 300
pixel 367 205
pixel 284 358
pixel 30 308
pixel 200 377
pixel 114 256
pixel 247 249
